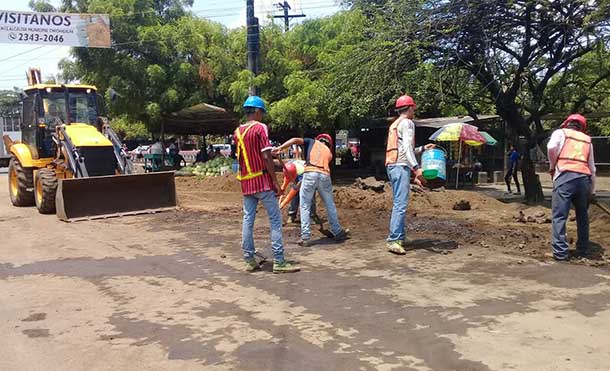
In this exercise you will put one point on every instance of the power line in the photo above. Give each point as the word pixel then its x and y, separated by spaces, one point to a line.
pixel 224 11
pixel 33 58
pixel 22 53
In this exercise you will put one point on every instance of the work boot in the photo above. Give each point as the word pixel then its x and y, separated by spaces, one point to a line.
pixel 285 267
pixel 407 241
pixel 343 235
pixel 252 265
pixel 304 243
pixel 396 247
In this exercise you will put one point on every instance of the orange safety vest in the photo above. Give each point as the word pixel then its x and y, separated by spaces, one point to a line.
pixel 241 151
pixel 391 152
pixel 319 158
pixel 574 155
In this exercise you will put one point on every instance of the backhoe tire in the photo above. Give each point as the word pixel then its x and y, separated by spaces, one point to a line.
pixel 20 183
pixel 45 191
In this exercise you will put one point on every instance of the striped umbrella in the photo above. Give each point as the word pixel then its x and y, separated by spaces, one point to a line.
pixel 489 140
pixel 459 132
pixel 466 133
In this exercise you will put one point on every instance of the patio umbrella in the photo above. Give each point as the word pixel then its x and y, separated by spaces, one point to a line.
pixel 459 132
pixel 489 140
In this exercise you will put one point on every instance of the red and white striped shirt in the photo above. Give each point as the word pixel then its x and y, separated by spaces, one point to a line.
pixel 256 141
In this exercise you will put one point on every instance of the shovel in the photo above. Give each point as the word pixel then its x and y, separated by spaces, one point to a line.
pixel 261 259
pixel 602 206
pixel 320 222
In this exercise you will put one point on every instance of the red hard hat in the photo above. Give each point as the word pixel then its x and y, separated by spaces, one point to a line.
pixel 327 138
pixel 575 117
pixel 290 171
pixel 405 101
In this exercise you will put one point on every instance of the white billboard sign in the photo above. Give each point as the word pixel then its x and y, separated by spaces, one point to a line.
pixel 65 29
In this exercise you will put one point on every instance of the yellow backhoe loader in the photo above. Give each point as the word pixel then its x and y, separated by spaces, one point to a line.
pixel 70 162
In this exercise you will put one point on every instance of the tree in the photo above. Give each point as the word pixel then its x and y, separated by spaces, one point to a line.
pixel 296 76
pixel 9 103
pixel 513 49
pixel 163 59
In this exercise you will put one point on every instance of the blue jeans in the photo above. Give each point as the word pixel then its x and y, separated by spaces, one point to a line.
pixel 400 179
pixel 577 192
pixel 272 206
pixel 294 205
pixel 314 181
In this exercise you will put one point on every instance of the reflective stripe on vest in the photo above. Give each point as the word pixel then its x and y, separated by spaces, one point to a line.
pixel 241 150
pixel 317 162
pixel 574 155
pixel 391 152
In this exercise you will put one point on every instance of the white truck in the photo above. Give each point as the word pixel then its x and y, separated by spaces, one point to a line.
pixel 10 127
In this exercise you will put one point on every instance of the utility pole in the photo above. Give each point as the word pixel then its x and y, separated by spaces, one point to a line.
pixel 286 7
pixel 253 43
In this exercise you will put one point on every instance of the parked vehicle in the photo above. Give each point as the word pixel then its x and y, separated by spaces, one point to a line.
pixel 140 150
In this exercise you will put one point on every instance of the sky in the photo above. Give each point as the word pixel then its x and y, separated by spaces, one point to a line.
pixel 16 58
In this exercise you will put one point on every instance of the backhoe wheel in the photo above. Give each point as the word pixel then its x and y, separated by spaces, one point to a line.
pixel 20 183
pixel 45 191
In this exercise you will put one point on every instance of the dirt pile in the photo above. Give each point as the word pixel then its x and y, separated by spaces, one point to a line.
pixel 353 197
pixel 370 183
pixel 226 183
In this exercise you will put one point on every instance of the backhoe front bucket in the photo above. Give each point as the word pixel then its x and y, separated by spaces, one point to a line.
pixel 115 195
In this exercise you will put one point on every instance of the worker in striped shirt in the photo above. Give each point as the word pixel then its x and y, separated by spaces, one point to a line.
pixel 259 183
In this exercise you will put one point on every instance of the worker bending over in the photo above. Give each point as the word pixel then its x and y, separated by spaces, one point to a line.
pixel 316 177
pixel 573 170
pixel 258 183
pixel 293 175
pixel 400 160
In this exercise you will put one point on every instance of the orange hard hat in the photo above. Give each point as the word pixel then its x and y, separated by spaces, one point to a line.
pixel 290 171
pixel 405 101
pixel 325 137
pixel 575 117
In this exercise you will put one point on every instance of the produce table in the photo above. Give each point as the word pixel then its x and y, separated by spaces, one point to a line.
pixel 215 167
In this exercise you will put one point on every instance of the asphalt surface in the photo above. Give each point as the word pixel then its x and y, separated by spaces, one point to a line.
pixel 166 292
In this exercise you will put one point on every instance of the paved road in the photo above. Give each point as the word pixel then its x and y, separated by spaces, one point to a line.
pixel 164 292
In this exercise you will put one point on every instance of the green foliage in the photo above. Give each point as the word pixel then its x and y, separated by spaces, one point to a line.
pixel 163 59
pixel 599 127
pixel 454 58
pixel 477 55
pixel 9 102
pixel 41 6
pixel 128 129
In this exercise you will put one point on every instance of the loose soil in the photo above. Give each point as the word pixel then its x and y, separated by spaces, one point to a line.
pixel 490 224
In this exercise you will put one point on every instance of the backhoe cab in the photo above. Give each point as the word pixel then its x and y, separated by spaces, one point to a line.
pixel 71 162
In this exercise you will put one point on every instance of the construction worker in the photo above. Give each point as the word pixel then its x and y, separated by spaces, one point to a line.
pixel 53 114
pixel 316 177
pixel 400 161
pixel 572 167
pixel 293 175
pixel 259 183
